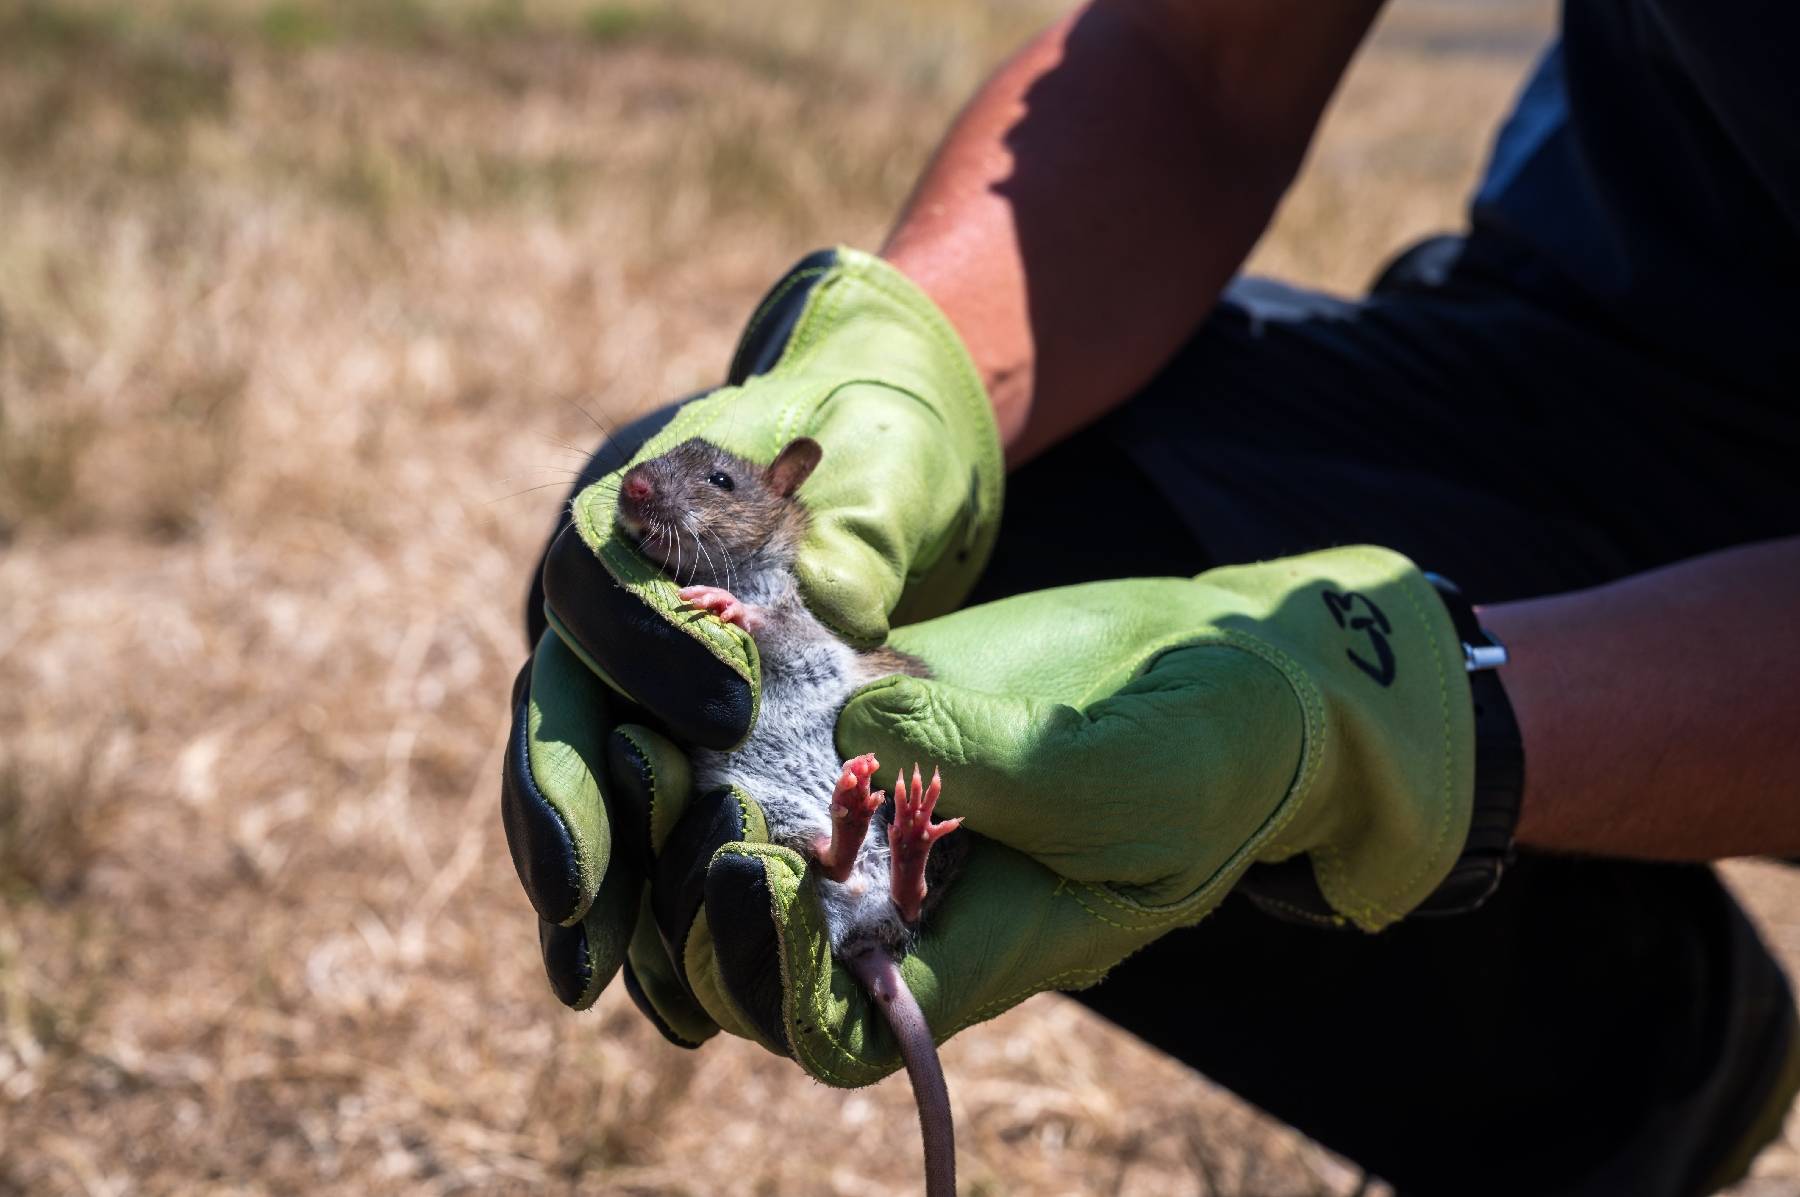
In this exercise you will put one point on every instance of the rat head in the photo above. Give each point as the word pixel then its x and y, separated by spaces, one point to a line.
pixel 707 516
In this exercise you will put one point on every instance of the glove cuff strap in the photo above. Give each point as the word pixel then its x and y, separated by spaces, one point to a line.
pixel 1499 767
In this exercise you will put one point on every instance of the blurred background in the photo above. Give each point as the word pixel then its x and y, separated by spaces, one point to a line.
pixel 308 310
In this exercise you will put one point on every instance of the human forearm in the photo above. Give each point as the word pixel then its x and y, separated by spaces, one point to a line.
pixel 1661 714
pixel 1092 200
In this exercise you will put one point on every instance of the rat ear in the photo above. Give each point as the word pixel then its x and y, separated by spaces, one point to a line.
pixel 793 465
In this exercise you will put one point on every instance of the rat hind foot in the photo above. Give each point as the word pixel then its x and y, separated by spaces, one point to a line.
pixel 910 837
pixel 852 806
pixel 721 602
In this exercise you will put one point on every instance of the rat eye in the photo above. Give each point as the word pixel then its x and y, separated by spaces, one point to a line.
pixel 720 479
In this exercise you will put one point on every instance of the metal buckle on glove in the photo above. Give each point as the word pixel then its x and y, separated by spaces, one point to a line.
pixel 1479 657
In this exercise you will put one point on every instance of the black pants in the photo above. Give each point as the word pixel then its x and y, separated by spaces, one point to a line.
pixel 1599 1026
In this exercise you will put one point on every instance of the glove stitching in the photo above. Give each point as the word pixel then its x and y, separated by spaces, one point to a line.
pixel 649 763
pixel 1298 913
pixel 762 313
pixel 809 337
pixel 581 868
pixel 968 392
pixel 667 986
pixel 971 390
pixel 818 1066
pixel 744 1026
pixel 803 343
pixel 821 309
pixel 852 271
pixel 861 1069
pixel 1041 986
pixel 733 649
pixel 653 589
pixel 590 992
pixel 1444 807
pixel 701 971
pixel 841 1066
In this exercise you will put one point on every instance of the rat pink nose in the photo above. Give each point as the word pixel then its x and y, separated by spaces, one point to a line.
pixel 637 487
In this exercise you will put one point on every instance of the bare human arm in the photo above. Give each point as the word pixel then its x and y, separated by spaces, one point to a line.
pixel 1096 195
pixel 1661 713
pixel 1078 224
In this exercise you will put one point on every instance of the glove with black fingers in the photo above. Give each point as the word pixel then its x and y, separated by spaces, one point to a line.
pixel 1120 753
pixel 844 350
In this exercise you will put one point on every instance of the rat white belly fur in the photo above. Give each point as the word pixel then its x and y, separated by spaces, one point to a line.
pixel 790 760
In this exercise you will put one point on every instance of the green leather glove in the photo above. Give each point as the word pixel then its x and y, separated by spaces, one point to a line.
pixel 904 508
pixel 582 784
pixel 1121 753
pixel 904 505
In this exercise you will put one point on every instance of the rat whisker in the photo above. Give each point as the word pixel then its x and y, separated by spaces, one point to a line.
pixel 699 551
pixel 607 434
pixel 701 548
pixel 589 471
pixel 564 471
pixel 560 443
pixel 528 490
pixel 730 569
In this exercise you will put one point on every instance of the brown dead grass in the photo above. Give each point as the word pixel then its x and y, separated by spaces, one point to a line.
pixel 299 302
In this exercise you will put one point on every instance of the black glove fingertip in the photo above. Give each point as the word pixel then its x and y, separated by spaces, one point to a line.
pixel 740 913
pixel 635 989
pixel 631 792
pixel 699 698
pixel 568 964
pixel 543 853
pixel 678 890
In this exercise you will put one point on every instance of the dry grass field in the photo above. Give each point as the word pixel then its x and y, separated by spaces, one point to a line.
pixel 304 308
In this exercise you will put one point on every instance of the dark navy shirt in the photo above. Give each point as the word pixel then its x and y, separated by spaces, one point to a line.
pixel 1650 175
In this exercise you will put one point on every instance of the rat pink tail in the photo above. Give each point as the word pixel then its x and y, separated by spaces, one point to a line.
pixel 880 976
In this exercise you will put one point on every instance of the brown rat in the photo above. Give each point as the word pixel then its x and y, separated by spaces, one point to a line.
pixel 727 531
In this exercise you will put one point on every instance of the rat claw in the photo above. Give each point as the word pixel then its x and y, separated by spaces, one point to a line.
pixel 852 806
pixel 910 837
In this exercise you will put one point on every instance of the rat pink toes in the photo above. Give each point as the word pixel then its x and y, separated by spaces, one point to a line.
pixel 851 794
pixel 852 806
pixel 862 767
pixel 910 837
pixel 720 602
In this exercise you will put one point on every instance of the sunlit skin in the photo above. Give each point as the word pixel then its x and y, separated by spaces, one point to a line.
pixel 1658 713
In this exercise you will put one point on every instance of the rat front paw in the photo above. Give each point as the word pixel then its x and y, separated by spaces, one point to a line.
pixel 721 602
